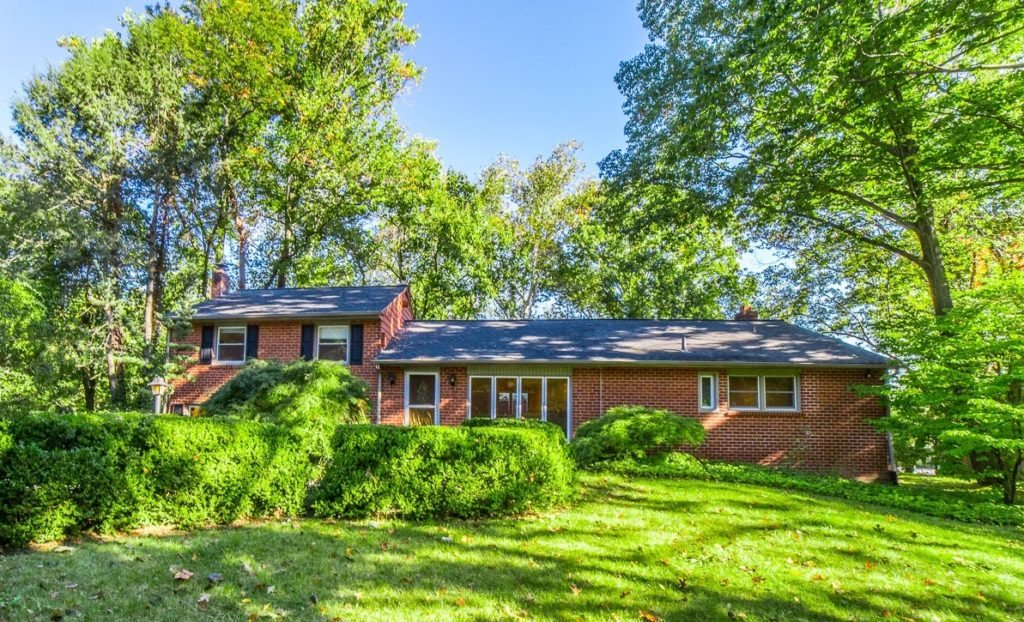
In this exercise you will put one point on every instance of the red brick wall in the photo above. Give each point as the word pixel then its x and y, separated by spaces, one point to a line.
pixel 392 318
pixel 829 434
pixel 453 397
pixel 280 341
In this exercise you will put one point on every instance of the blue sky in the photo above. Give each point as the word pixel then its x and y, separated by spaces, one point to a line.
pixel 512 77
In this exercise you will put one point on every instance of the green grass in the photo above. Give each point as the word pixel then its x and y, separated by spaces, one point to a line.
pixel 674 548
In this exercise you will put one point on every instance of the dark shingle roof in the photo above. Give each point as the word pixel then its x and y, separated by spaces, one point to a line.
pixel 624 341
pixel 306 302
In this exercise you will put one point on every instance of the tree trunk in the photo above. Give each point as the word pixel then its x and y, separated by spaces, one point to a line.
pixel 285 259
pixel 242 230
pixel 148 310
pixel 1010 482
pixel 88 390
pixel 934 267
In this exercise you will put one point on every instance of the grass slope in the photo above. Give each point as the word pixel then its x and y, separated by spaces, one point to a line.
pixel 662 548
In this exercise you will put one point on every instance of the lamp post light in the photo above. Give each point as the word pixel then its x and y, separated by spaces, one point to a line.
pixel 159 389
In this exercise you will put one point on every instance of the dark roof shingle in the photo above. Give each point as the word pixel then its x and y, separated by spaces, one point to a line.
pixel 305 302
pixel 764 342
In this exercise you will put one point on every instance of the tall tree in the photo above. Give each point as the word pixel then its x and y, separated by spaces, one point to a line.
pixel 531 216
pixel 857 124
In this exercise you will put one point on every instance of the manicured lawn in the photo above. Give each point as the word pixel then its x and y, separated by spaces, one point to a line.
pixel 670 549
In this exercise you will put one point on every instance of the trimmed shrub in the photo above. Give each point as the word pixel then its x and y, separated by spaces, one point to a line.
pixel 309 398
pixel 435 471
pixel 65 473
pixel 206 470
pixel 530 424
pixel 633 432
pixel 60 474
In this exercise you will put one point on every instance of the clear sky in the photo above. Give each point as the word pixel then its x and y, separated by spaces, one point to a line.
pixel 512 77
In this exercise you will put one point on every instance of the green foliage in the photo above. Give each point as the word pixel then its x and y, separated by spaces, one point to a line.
pixel 423 472
pixel 633 432
pixel 962 394
pixel 309 398
pixel 214 470
pixel 871 143
pixel 555 431
pixel 62 474
pixel 974 508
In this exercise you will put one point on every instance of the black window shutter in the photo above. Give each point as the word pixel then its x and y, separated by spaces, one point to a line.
pixel 307 341
pixel 252 341
pixel 355 347
pixel 206 345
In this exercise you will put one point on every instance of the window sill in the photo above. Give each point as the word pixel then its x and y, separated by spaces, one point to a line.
pixel 761 411
pixel 228 363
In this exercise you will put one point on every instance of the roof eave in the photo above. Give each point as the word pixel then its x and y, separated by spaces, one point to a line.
pixel 216 317
pixel 627 362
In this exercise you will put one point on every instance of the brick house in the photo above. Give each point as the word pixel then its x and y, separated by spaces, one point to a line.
pixel 767 392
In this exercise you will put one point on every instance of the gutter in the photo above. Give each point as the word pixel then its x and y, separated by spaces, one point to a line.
pixel 627 362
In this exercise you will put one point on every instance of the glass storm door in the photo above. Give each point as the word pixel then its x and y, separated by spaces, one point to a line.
pixel 558 402
pixel 506 398
pixel 531 398
pixel 421 398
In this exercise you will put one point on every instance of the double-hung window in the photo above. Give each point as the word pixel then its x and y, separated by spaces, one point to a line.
pixel 764 392
pixel 231 344
pixel 332 343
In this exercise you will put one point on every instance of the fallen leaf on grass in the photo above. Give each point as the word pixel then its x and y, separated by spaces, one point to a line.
pixel 647 616
pixel 460 602
pixel 183 575
pixel 204 599
pixel 625 593
pixel 575 590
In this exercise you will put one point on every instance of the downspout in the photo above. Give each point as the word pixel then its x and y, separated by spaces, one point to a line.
pixel 377 415
pixel 600 391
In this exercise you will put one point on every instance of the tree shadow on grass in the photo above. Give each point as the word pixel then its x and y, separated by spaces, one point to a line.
pixel 608 557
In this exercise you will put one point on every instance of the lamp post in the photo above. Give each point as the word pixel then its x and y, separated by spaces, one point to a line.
pixel 159 389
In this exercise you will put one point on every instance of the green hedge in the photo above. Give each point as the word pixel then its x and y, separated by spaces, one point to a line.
pixel 555 431
pixel 678 465
pixel 633 432
pixel 60 474
pixel 435 471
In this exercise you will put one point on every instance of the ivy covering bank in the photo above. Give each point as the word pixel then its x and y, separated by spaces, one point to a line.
pixel 976 508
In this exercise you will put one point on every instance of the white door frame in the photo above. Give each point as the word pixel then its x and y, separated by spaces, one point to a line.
pixel 437 395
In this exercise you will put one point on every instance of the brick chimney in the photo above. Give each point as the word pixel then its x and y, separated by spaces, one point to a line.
pixel 746 313
pixel 221 283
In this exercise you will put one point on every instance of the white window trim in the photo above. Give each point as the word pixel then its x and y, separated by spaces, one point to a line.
pixel 437 395
pixel 796 393
pixel 761 394
pixel 518 392
pixel 700 393
pixel 348 341
pixel 216 346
